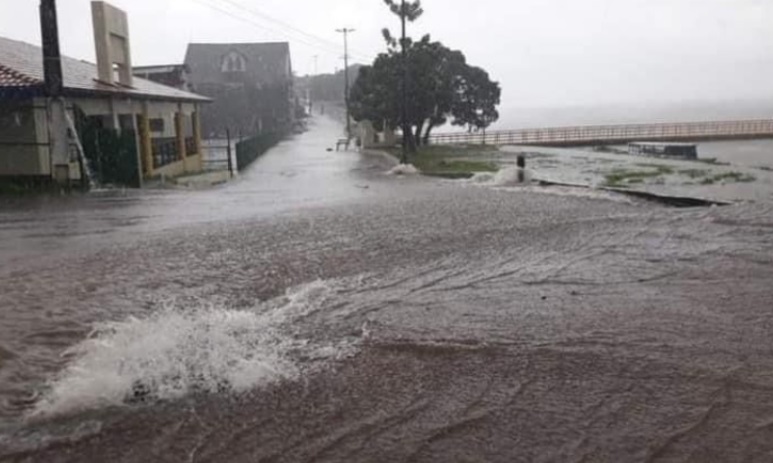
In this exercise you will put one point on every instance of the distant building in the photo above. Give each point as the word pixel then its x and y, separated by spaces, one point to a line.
pixel 130 128
pixel 251 85
pixel 172 75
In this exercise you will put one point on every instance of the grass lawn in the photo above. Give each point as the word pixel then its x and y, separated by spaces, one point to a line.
pixel 728 177
pixel 622 177
pixel 451 161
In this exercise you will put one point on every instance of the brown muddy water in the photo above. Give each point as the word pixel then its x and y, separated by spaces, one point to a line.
pixel 319 310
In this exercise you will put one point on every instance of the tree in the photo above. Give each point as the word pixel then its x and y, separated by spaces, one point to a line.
pixel 375 93
pixel 406 11
pixel 475 105
pixel 441 85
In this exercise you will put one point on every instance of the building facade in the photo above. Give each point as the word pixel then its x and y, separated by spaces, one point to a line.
pixel 251 85
pixel 127 128
pixel 171 75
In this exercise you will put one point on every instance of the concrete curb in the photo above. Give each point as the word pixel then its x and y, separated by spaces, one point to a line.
pixel 675 201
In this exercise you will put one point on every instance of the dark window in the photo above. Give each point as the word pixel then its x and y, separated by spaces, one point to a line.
pixel 156 125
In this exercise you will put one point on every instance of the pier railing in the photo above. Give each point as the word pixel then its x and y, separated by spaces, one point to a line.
pixel 612 134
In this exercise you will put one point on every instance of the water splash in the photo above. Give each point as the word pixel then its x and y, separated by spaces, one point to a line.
pixel 508 176
pixel 403 169
pixel 179 350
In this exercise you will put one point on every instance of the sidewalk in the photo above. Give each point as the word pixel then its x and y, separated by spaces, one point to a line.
pixel 203 180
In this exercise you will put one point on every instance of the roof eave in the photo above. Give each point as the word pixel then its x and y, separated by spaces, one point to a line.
pixel 76 92
pixel 21 92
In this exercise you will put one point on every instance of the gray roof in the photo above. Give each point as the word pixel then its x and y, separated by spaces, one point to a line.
pixel 159 68
pixel 267 62
pixel 80 77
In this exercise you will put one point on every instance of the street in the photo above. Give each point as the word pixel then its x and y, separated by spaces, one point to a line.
pixel 317 309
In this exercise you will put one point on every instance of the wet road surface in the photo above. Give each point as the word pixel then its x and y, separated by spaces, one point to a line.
pixel 318 310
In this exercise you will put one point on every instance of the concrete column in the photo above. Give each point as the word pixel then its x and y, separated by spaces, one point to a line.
pixel 196 123
pixel 137 145
pixel 179 130
pixel 147 146
pixel 116 124
pixel 59 143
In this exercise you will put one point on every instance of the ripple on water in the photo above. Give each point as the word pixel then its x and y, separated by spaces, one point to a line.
pixel 6 355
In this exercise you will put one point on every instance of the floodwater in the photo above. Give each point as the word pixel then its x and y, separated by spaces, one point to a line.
pixel 749 153
pixel 318 310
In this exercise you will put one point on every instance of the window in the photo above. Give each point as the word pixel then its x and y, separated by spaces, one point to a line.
pixel 234 62
pixel 156 125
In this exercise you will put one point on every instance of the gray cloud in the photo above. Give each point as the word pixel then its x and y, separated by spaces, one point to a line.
pixel 544 52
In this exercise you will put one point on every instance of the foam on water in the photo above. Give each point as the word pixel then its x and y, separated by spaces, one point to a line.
pixel 509 176
pixel 403 169
pixel 180 350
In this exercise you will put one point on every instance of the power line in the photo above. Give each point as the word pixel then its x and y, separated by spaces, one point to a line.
pixel 246 20
pixel 259 13
pixel 309 40
pixel 267 17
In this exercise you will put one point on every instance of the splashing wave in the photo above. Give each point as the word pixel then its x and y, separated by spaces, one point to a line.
pixel 179 350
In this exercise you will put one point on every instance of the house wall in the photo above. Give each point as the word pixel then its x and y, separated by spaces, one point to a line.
pixel 19 152
pixel 190 165
pixel 24 137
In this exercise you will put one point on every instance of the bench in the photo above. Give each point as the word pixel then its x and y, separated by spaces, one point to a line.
pixel 343 141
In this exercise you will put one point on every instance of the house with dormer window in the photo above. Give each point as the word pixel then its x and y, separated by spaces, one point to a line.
pixel 251 85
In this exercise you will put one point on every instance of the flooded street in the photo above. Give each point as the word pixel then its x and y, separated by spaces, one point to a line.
pixel 316 309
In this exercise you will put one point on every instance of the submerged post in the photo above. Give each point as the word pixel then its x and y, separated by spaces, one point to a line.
pixel 521 162
pixel 228 150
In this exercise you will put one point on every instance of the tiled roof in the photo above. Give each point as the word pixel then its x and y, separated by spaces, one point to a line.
pixel 11 78
pixel 160 68
pixel 21 67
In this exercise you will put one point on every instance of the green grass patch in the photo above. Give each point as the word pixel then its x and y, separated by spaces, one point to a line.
pixel 694 173
pixel 713 161
pixel 661 168
pixel 729 177
pixel 445 151
pixel 431 165
pixel 622 177
pixel 735 177
pixel 443 160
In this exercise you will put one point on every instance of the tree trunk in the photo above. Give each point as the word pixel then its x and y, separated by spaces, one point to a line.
pixel 419 130
pixel 411 140
pixel 425 141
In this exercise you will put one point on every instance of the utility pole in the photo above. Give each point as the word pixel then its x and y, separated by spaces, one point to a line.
pixel 311 95
pixel 406 127
pixel 54 87
pixel 346 32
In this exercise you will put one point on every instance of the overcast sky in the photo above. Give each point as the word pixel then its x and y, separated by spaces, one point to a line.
pixel 544 52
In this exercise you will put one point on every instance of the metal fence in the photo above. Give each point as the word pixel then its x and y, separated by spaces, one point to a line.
pixel 217 154
pixel 610 134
